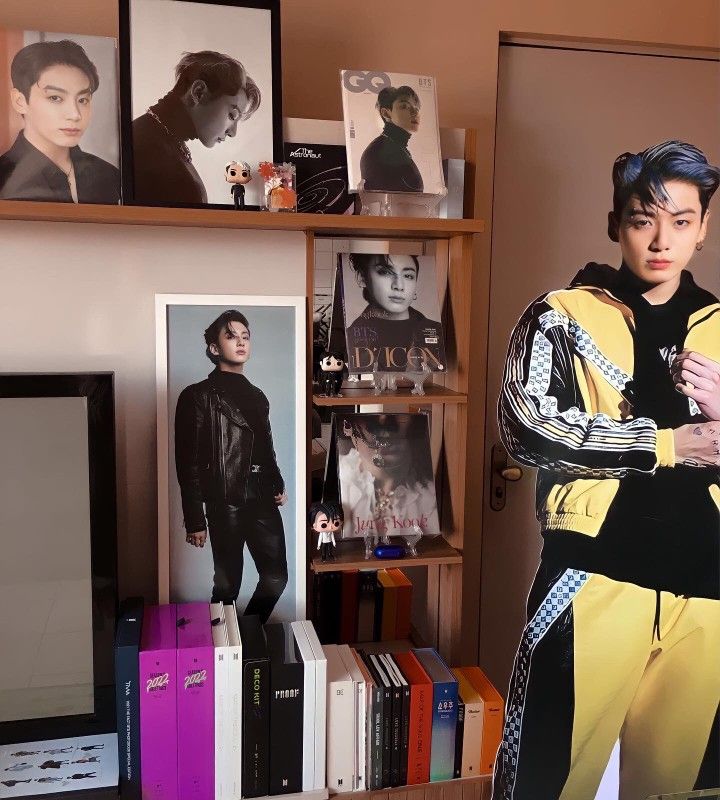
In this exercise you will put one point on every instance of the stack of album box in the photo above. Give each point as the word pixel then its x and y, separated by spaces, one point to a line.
pixel 396 719
pixel 212 705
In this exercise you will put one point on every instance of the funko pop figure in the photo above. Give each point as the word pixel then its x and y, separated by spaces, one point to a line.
pixel 330 374
pixel 238 174
pixel 326 519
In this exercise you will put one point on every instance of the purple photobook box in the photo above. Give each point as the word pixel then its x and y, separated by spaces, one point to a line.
pixel 158 703
pixel 195 702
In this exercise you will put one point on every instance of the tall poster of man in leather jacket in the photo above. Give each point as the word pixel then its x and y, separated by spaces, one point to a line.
pixel 231 457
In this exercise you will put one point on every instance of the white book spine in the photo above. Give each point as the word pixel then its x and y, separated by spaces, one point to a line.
pixel 235 704
pixel 223 782
pixel 341 725
pixel 309 726
pixel 320 706
pixel 361 736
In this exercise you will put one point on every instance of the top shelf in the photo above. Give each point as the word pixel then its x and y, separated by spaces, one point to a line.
pixel 331 224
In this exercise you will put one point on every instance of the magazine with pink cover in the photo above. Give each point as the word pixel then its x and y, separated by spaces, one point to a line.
pixel 158 703
pixel 195 703
pixel 392 134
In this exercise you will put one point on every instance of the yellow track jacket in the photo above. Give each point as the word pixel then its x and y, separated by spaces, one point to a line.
pixel 565 404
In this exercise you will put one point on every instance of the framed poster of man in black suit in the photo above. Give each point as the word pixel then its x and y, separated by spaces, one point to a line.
pixel 200 89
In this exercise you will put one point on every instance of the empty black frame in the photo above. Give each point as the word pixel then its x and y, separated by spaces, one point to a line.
pixel 98 389
pixel 135 195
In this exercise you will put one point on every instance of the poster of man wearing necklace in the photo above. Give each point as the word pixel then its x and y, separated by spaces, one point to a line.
pixel 200 85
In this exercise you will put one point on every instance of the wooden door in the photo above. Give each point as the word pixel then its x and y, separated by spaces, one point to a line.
pixel 563 117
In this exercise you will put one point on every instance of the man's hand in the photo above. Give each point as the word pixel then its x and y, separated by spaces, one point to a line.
pixel 196 539
pixel 698 376
pixel 698 445
pixel 281 498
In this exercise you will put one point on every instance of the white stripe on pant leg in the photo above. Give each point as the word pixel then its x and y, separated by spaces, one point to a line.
pixel 556 601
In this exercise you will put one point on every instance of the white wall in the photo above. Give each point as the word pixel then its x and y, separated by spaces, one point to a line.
pixel 77 297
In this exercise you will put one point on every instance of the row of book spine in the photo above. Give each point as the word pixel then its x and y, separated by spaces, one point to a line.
pixel 212 705
pixel 362 606
pixel 405 718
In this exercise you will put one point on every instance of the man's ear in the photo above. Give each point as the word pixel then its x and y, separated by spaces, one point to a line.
pixel 613 227
pixel 704 227
pixel 18 101
pixel 214 349
pixel 385 114
pixel 360 278
pixel 198 92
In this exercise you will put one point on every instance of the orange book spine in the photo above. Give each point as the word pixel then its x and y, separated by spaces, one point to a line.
pixel 389 606
pixel 492 719
pixel 404 603
pixel 420 731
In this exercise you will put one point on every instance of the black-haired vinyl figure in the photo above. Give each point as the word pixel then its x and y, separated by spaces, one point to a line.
pixel 326 519
pixel 238 174
pixel 331 372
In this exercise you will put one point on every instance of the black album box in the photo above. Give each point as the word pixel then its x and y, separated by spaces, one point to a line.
pixel 287 676
pixel 256 707
pixel 127 694
pixel 321 177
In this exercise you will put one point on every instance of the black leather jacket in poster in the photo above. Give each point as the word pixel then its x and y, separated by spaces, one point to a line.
pixel 214 448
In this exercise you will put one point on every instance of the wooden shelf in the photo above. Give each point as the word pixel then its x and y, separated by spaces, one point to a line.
pixel 365 396
pixel 332 224
pixel 432 550
pixel 477 788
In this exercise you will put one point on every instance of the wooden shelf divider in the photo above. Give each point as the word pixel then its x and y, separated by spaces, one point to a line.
pixel 329 224
pixel 350 554
pixel 364 396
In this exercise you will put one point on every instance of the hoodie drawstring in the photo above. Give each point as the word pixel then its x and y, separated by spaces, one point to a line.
pixel 656 623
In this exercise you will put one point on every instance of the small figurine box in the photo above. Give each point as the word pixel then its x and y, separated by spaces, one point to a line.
pixel 195 702
pixel 158 703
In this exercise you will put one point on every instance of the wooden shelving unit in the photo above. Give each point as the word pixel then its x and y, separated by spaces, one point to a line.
pixel 443 556
pixel 432 552
pixel 324 224
pixel 365 396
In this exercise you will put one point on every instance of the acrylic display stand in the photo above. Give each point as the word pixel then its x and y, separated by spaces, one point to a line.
pixel 400 204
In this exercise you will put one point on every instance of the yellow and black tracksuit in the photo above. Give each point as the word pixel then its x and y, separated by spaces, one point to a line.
pixel 623 632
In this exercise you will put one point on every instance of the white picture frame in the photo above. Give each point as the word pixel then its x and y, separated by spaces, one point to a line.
pixel 178 317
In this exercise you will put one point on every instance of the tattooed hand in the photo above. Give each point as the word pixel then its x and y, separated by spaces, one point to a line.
pixel 698 445
pixel 698 377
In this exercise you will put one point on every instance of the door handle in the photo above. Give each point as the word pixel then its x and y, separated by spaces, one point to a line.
pixel 500 473
pixel 511 473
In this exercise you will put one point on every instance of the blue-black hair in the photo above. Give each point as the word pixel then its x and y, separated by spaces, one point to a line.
pixel 644 174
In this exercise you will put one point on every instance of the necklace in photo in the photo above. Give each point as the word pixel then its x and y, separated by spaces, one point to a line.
pixel 183 147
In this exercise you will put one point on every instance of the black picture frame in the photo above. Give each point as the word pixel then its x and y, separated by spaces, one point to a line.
pixel 127 171
pixel 98 390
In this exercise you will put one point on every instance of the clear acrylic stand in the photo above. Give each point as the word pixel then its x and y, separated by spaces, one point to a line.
pixel 400 204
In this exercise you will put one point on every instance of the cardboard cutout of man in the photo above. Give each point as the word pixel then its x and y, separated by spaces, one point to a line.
pixel 612 389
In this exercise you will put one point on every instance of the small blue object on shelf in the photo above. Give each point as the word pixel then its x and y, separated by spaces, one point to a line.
pixel 389 551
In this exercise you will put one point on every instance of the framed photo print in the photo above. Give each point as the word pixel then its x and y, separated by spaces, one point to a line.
pixel 231 444
pixel 200 90
pixel 60 127
pixel 58 571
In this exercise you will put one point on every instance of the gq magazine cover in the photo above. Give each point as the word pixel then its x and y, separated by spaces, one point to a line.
pixel 391 132
pixel 391 313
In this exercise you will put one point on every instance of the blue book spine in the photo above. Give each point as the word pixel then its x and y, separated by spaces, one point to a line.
pixel 444 724
pixel 127 696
